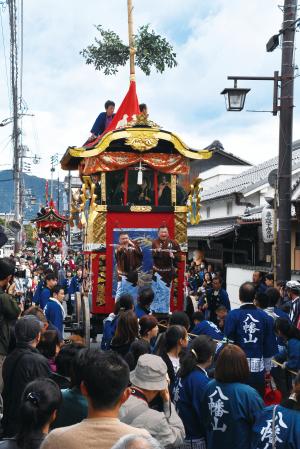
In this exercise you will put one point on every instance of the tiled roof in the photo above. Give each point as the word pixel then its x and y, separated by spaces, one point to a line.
pixel 249 179
pixel 210 230
pixel 253 214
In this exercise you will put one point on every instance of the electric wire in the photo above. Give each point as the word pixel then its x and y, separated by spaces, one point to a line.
pixel 5 62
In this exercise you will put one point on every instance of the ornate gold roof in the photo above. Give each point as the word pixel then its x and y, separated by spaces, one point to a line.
pixel 144 137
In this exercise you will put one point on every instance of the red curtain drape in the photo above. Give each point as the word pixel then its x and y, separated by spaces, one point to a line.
pixel 166 163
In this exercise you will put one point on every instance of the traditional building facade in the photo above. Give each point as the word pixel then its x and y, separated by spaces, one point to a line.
pixel 230 230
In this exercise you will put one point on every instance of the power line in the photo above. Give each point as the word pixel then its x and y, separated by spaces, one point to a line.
pixel 5 61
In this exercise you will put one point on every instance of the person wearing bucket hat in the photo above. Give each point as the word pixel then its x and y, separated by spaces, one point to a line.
pixel 293 291
pixel 149 381
pixel 23 365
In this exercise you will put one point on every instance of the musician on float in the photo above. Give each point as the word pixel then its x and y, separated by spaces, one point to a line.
pixel 166 255
pixel 129 259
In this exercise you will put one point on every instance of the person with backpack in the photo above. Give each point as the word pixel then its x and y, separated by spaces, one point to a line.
pixel 9 309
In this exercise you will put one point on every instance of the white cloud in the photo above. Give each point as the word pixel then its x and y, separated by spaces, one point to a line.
pixel 211 42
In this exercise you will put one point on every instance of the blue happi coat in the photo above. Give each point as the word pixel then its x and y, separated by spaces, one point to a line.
pixel 251 329
pixel 208 328
pixel 109 330
pixel 75 285
pixel 286 429
pixel 66 285
pixel 275 313
pixel 38 292
pixel 290 355
pixel 140 311
pixel 54 313
pixel 187 398
pixel 229 411
pixel 43 298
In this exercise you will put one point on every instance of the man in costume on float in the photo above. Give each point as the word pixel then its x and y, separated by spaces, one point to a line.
pixel 166 254
pixel 129 259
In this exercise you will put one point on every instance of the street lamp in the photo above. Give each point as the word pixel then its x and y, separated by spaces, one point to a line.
pixel 235 97
pixel 285 105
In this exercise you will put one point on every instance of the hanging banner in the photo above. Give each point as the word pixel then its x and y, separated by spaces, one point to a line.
pixel 268 224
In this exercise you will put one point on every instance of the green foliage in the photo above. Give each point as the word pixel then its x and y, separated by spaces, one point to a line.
pixel 152 51
pixel 108 54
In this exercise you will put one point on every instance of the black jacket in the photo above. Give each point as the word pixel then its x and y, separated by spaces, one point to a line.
pixel 9 312
pixel 23 365
pixel 34 441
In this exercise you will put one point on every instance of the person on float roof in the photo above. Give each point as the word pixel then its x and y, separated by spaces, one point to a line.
pixel 143 110
pixel 103 120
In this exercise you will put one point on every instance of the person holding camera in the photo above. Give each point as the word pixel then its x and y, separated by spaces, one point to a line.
pixel 149 382
pixel 9 309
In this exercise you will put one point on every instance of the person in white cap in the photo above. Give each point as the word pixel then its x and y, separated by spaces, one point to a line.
pixel 293 290
pixel 137 442
pixel 149 381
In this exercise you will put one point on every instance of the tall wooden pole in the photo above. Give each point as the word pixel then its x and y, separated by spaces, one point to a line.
pixel 285 141
pixel 131 39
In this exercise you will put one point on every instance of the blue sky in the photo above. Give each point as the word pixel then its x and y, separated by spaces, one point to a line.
pixel 211 41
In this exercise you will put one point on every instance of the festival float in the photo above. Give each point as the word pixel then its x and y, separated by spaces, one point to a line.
pixel 135 179
pixel 50 228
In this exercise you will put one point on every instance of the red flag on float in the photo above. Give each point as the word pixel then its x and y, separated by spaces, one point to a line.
pixel 128 108
pixel 126 112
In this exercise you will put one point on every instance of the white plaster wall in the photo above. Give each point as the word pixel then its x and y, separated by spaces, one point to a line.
pixel 234 278
pixel 218 209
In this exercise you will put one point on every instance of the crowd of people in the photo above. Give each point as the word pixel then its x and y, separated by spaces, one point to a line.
pixel 207 377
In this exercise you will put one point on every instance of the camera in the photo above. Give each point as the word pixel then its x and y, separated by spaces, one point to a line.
pixel 20 274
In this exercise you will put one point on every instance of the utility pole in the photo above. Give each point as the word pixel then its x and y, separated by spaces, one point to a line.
pixel 54 161
pixel 12 8
pixel 58 198
pixel 286 140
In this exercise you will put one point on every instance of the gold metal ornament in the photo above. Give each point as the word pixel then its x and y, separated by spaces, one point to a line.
pixel 103 188
pixel 181 209
pixel 194 201
pixel 99 228
pixel 142 120
pixel 140 208
pixel 173 189
pixel 100 301
pixel 181 228
pixel 142 141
